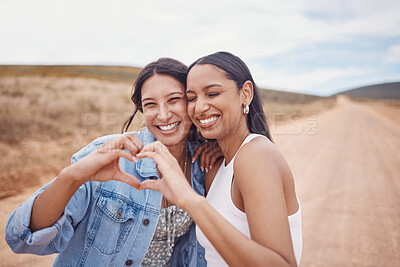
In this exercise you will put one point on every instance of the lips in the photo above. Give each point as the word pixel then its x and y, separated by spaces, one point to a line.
pixel 207 121
pixel 169 127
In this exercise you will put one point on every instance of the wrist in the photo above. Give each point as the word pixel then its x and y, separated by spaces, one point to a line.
pixel 69 176
pixel 193 203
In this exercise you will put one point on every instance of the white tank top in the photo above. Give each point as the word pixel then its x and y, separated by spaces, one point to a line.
pixel 219 197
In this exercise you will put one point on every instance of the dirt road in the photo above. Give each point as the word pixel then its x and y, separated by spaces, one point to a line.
pixel 346 163
pixel 348 181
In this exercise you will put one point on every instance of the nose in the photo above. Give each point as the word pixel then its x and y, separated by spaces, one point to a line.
pixel 163 114
pixel 201 106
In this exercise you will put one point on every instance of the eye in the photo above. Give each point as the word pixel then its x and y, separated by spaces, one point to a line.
pixel 213 94
pixel 149 104
pixel 174 99
pixel 191 99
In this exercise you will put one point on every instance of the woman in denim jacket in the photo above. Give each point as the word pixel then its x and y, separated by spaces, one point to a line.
pixel 92 214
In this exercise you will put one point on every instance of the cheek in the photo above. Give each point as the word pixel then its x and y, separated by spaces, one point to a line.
pixel 179 108
pixel 183 107
pixel 184 113
pixel 190 110
pixel 149 115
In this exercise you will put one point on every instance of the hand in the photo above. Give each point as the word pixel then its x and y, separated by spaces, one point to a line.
pixel 173 184
pixel 209 152
pixel 103 164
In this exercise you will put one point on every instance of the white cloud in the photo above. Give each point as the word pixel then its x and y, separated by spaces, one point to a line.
pixel 393 54
pixel 305 81
pixel 262 28
pixel 137 32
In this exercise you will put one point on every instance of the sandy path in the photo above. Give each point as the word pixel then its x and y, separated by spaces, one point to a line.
pixel 346 163
pixel 7 257
pixel 348 181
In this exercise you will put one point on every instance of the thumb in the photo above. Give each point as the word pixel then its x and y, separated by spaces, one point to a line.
pixel 150 184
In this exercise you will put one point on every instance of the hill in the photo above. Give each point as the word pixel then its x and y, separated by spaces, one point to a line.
pixel 287 97
pixel 376 91
pixel 110 73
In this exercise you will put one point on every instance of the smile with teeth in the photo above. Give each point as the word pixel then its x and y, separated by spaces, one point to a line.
pixel 169 126
pixel 214 118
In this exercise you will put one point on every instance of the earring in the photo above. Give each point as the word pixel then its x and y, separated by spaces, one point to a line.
pixel 246 109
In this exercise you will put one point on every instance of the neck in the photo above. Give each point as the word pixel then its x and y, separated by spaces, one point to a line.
pixel 231 143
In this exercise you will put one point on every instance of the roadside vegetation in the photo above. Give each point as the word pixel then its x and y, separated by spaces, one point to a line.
pixel 47 113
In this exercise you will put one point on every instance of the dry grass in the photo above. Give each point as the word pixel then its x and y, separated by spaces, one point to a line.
pixel 49 113
pixel 58 107
pixel 44 120
pixel 108 73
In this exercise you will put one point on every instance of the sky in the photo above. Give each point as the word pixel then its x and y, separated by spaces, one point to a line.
pixel 316 47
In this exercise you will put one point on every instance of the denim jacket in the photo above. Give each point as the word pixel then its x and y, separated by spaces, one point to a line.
pixel 106 224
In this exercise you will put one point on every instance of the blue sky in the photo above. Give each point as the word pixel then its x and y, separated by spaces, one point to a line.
pixel 310 46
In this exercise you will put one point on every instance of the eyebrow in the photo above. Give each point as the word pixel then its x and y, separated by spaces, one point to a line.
pixel 173 93
pixel 206 87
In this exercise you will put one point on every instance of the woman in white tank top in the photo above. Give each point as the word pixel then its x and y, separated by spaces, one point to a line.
pixel 251 215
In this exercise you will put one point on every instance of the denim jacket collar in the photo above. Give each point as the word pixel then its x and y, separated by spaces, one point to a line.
pixel 146 167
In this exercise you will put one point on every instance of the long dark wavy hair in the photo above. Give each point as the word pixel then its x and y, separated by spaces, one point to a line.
pixel 167 66
pixel 236 70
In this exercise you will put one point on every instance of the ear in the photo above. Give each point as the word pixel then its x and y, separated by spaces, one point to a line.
pixel 246 93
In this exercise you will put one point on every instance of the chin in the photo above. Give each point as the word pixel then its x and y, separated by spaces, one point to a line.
pixel 173 139
pixel 168 141
pixel 209 134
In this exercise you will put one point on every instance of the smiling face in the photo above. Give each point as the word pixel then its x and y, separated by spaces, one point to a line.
pixel 214 103
pixel 165 109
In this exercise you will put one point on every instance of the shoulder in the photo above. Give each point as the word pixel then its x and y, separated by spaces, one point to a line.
pixel 92 146
pixel 256 151
pixel 260 159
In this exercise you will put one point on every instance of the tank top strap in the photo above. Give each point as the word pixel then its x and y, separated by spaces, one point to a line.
pixel 246 140
pixel 249 138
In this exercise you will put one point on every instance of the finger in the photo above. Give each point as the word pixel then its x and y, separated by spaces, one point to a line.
pixel 203 166
pixel 203 158
pixel 212 156
pixel 108 146
pixel 150 184
pixel 135 139
pixel 212 161
pixel 138 141
pixel 128 179
pixel 207 156
pixel 156 146
pixel 118 153
pixel 159 149
pixel 198 152
pixel 133 149
pixel 148 154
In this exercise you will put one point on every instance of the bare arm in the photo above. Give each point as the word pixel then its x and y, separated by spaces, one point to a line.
pixel 101 165
pixel 264 201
